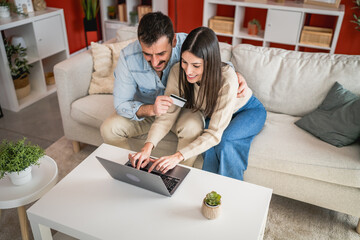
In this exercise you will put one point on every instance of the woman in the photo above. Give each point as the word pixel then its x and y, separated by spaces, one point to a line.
pixel 209 86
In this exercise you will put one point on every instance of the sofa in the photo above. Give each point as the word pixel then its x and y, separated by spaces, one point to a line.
pixel 283 157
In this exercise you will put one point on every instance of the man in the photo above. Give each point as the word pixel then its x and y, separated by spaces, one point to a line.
pixel 140 80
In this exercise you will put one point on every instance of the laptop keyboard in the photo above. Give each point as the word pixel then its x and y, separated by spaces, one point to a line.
pixel 169 181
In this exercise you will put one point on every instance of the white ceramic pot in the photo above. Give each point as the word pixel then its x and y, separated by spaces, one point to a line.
pixel 4 12
pixel 21 177
pixel 210 212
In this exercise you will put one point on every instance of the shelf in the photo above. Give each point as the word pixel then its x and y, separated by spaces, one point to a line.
pixel 244 34
pixel 44 33
pixel 283 24
pixel 224 34
pixel 313 46
pixel 110 26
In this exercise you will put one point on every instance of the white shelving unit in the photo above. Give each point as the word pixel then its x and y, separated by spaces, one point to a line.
pixel 110 26
pixel 45 36
pixel 284 21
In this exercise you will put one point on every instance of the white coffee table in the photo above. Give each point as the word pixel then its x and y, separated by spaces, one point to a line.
pixel 44 177
pixel 89 204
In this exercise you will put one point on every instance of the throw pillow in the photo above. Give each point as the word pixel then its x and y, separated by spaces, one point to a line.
pixel 105 57
pixel 337 119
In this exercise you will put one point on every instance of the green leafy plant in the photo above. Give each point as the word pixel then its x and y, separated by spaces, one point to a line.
pixel 356 17
pixel 17 156
pixel 213 198
pixel 256 22
pixel 18 65
pixel 91 8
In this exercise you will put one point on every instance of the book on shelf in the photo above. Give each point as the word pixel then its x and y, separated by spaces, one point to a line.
pixel 142 10
pixel 122 12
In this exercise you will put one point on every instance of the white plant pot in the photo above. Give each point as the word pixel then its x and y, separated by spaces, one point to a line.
pixel 21 177
pixel 210 212
pixel 4 12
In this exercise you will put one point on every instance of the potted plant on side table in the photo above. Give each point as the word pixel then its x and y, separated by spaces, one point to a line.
pixel 211 205
pixel 17 158
pixel 254 27
pixel 19 68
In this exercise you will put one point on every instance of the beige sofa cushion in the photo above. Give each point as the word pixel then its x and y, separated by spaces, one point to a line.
pixel 92 110
pixel 283 147
pixel 225 51
pixel 105 57
pixel 294 83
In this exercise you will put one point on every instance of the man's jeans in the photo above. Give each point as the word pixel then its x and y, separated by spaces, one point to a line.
pixel 230 156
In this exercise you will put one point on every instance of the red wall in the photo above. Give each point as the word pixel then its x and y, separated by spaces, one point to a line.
pixel 189 16
pixel 74 15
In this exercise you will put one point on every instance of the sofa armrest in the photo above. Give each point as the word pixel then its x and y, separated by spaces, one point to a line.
pixel 72 77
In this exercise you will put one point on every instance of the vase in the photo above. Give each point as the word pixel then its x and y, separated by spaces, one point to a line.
pixel 16 40
pixel 252 29
pixel 39 5
pixel 90 25
pixel 210 212
pixel 22 177
pixel 22 87
pixel 4 12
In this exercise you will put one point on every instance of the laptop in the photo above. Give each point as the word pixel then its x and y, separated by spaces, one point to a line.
pixel 165 184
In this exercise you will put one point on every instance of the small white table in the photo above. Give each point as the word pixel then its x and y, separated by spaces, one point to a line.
pixel 89 204
pixel 44 177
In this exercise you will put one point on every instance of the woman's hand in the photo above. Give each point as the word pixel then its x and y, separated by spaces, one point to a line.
pixel 143 157
pixel 166 163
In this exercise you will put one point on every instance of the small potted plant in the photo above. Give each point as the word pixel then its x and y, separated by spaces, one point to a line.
pixel 111 12
pixel 254 27
pixel 6 7
pixel 19 68
pixel 91 10
pixel 211 205
pixel 356 17
pixel 17 158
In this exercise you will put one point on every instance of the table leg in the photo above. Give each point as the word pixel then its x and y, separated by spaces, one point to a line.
pixel 0 213
pixel 40 232
pixel 23 223
pixel 76 146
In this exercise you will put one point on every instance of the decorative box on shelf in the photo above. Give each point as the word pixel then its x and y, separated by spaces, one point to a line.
pixel 222 24
pixel 316 36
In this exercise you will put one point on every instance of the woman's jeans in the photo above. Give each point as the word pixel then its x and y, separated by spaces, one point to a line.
pixel 230 156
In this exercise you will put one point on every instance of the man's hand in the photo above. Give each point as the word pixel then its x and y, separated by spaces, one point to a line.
pixel 242 86
pixel 143 157
pixel 162 104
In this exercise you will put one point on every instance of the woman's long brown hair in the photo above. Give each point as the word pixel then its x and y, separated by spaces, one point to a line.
pixel 203 43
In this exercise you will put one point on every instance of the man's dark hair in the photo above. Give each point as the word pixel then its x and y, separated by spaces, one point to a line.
pixel 153 26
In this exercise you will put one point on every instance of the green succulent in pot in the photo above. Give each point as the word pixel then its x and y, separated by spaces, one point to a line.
pixel 17 156
pixel 213 199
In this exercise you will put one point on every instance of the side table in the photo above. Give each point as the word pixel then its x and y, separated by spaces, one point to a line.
pixel 44 177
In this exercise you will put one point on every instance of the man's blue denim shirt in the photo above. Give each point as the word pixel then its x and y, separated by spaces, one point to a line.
pixel 136 83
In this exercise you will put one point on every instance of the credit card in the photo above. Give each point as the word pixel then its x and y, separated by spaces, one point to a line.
pixel 178 101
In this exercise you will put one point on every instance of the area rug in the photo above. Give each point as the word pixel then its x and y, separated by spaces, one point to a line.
pixel 287 219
